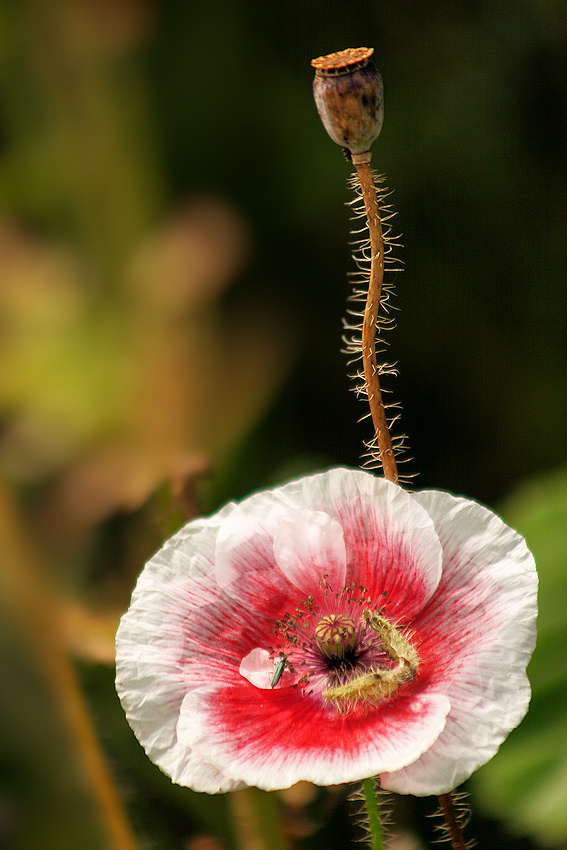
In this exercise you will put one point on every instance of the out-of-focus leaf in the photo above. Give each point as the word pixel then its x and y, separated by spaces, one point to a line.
pixel 526 784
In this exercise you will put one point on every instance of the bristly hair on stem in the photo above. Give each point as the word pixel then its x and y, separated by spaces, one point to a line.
pixel 372 816
pixel 455 812
pixel 373 246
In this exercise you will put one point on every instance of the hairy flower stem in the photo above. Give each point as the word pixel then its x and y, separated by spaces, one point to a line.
pixel 366 179
pixel 454 830
pixel 373 812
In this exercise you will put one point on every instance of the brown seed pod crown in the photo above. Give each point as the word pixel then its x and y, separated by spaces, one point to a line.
pixel 349 97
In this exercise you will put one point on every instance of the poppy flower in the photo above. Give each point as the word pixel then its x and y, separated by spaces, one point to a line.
pixel 335 628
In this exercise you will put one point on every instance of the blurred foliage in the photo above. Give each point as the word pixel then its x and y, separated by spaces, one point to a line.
pixel 528 779
pixel 173 257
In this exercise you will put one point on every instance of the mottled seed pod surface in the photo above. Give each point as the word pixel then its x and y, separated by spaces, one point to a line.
pixel 349 98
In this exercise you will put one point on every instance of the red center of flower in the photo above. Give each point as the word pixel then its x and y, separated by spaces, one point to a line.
pixel 341 649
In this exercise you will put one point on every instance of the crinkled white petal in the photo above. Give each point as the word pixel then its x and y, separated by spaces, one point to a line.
pixel 152 703
pixel 489 691
pixel 149 646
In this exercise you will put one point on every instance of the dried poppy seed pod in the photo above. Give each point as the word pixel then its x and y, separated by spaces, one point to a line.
pixel 349 98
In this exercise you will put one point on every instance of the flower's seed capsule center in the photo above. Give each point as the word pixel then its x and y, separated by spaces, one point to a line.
pixel 336 634
pixel 349 99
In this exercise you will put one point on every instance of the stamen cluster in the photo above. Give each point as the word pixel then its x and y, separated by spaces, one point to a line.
pixel 342 649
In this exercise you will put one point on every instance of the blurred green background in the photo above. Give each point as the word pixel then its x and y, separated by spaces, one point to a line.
pixel 173 259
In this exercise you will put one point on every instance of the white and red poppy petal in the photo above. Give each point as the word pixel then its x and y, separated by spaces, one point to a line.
pixel 391 543
pixel 151 690
pixel 310 545
pixel 474 731
pixel 193 546
pixel 478 634
pixel 245 564
pixel 483 615
pixel 151 638
pixel 165 648
pixel 178 625
pixel 245 541
pixel 273 739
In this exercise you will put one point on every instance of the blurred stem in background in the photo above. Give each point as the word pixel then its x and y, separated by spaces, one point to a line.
pixel 97 180
pixel 257 820
pixel 30 615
